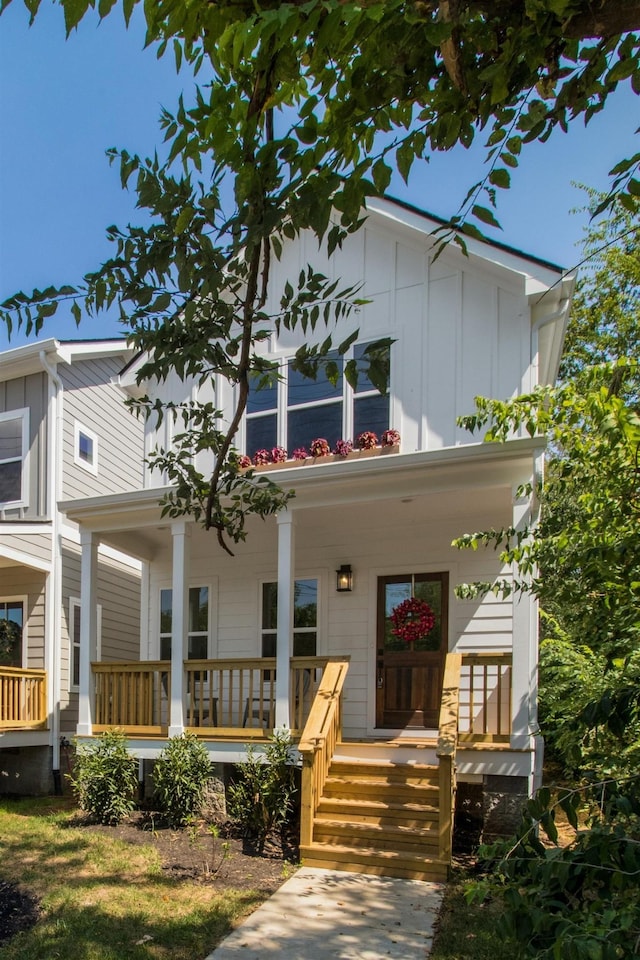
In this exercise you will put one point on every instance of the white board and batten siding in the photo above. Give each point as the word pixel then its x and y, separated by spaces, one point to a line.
pixel 94 403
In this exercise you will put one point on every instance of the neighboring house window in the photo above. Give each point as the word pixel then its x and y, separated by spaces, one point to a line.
pixel 74 641
pixel 14 432
pixel 298 410
pixel 11 628
pixel 197 628
pixel 86 448
pixel 305 618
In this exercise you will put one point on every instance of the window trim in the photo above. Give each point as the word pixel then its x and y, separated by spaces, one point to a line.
pixel 321 618
pixel 21 414
pixel 347 401
pixel 75 603
pixel 158 635
pixel 90 466
pixel 23 599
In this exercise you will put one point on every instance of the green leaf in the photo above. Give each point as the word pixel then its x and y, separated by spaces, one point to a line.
pixel 500 178
pixel 485 215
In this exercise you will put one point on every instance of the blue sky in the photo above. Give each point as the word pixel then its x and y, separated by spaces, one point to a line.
pixel 63 103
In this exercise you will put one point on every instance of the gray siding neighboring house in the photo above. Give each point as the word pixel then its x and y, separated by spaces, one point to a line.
pixel 65 433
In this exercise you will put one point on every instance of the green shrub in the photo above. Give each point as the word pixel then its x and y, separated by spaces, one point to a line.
pixel 262 800
pixel 105 777
pixel 180 777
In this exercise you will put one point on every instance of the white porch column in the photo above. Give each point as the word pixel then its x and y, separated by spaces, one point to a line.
pixel 284 641
pixel 525 647
pixel 88 630
pixel 180 533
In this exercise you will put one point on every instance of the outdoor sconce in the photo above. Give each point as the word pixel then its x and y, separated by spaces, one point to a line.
pixel 344 579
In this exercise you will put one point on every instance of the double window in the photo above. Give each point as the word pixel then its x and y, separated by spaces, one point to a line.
pixel 305 618
pixel 297 410
pixel 11 627
pixel 14 431
pixel 197 628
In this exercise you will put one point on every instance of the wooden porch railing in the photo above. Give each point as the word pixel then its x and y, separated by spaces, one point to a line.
pixel 475 708
pixel 133 695
pixel 484 713
pixel 223 697
pixel 23 699
pixel 323 730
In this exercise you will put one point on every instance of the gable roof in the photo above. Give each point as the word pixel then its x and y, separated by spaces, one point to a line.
pixel 30 358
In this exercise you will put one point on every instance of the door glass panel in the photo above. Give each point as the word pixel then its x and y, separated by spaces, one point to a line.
pixel 395 593
pixel 431 592
pixel 423 589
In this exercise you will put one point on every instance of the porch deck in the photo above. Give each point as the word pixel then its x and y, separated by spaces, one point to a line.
pixel 380 814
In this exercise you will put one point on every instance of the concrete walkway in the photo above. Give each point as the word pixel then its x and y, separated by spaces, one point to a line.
pixel 323 914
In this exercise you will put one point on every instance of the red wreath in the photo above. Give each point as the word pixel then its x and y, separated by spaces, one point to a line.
pixel 413 619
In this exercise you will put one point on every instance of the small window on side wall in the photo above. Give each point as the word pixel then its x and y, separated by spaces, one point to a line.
pixel 86 448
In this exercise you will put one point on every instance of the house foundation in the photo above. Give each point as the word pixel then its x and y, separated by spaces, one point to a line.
pixel 26 771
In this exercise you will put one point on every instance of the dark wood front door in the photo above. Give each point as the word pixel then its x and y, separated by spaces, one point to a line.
pixel 409 674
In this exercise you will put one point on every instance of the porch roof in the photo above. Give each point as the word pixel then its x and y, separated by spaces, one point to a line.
pixel 463 468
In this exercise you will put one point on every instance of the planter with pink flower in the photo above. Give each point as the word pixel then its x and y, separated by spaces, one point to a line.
pixel 367 444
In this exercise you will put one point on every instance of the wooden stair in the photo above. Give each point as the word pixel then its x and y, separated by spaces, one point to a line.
pixel 378 817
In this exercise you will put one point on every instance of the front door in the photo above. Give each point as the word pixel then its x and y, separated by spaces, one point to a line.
pixel 412 641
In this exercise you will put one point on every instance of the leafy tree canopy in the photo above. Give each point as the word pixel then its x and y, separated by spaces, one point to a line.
pixel 303 109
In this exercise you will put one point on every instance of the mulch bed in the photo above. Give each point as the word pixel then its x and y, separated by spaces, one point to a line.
pixel 193 854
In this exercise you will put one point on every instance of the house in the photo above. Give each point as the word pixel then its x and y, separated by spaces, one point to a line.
pixel 308 625
pixel 64 433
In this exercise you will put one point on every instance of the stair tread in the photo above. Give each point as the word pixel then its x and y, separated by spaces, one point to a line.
pixel 317 847
pixel 390 829
pixel 378 805
pixel 384 765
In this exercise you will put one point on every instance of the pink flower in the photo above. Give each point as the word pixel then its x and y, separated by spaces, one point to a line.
pixel 367 440
pixel 343 447
pixel 278 454
pixel 261 457
pixel 244 462
pixel 390 438
pixel 320 447
pixel 300 453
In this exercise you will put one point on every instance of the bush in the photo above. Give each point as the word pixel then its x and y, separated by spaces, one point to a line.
pixel 105 778
pixel 180 778
pixel 578 902
pixel 263 798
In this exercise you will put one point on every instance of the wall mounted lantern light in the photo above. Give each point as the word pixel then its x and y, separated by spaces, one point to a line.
pixel 344 579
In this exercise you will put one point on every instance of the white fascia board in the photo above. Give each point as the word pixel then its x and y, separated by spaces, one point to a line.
pixel 538 275
pixel 73 350
pixel 22 361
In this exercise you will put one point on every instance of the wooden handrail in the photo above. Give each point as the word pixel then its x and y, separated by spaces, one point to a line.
pixel 322 732
pixel 23 699
pixel 446 752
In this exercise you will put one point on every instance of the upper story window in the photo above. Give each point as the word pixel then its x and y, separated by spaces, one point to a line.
pixel 197 628
pixel 85 448
pixel 297 410
pixel 14 432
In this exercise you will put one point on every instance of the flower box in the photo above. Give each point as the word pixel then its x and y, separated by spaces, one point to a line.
pixel 329 458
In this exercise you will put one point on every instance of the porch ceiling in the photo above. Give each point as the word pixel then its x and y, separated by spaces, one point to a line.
pixel 436 484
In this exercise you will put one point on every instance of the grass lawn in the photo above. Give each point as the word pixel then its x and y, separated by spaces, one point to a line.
pixel 105 899
pixel 100 897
